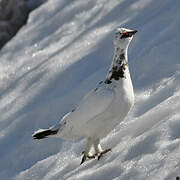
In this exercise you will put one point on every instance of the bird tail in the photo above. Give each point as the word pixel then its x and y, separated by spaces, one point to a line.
pixel 44 133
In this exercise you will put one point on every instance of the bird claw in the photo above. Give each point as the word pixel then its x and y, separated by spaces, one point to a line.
pixel 102 153
pixel 83 159
pixel 87 156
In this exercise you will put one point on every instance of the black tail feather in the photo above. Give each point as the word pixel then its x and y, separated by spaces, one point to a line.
pixel 44 134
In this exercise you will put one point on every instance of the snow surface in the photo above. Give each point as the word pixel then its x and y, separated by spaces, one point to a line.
pixel 64 51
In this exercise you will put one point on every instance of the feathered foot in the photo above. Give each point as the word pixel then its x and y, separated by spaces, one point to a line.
pixel 89 156
pixel 100 154
pixel 93 156
pixel 98 150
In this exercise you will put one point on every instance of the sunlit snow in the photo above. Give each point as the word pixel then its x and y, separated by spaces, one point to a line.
pixel 64 50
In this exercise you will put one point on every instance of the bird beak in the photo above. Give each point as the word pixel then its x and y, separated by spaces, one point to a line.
pixel 133 32
pixel 128 34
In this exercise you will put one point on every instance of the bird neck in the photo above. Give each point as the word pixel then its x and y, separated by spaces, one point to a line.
pixel 120 56
pixel 118 66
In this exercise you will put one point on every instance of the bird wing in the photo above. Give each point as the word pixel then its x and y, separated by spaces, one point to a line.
pixel 95 103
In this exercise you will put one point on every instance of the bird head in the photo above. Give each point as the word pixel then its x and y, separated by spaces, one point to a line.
pixel 123 37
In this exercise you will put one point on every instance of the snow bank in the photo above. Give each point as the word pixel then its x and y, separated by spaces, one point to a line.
pixel 63 52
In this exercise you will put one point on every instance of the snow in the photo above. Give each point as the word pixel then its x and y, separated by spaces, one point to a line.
pixel 63 52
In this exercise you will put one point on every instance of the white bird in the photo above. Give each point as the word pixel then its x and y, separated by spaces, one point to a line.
pixel 104 107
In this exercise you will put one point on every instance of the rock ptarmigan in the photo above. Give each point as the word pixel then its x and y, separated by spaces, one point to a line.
pixel 103 108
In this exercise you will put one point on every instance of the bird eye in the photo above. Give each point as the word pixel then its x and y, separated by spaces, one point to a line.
pixel 117 34
pixel 125 35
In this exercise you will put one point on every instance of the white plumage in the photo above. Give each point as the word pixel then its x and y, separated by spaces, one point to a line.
pixel 104 107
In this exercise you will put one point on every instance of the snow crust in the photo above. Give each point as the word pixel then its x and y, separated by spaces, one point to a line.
pixel 63 52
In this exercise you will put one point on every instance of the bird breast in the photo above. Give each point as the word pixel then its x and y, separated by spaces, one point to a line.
pixel 124 90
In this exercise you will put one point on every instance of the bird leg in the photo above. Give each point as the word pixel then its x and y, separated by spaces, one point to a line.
pixel 87 153
pixel 98 149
